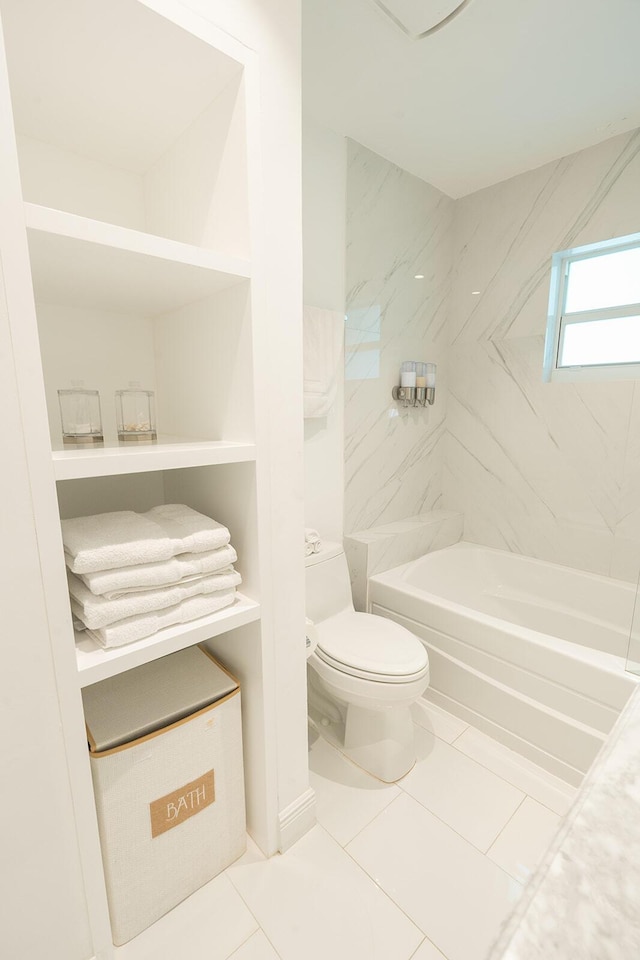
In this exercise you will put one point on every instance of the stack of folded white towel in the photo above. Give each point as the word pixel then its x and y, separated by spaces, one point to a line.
pixel 130 574
pixel 312 541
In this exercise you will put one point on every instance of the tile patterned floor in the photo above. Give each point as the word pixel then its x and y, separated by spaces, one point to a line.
pixel 426 869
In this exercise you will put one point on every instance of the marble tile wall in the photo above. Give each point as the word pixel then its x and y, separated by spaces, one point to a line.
pixel 547 470
pixel 397 226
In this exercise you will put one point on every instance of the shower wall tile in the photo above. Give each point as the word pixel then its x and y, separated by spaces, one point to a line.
pixel 547 470
pixel 505 235
pixel 397 227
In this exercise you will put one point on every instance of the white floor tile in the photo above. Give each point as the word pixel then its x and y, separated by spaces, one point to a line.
pixel 467 796
pixel 448 888
pixel 314 902
pixel 210 925
pixel 436 720
pixel 427 951
pixel 525 839
pixel 347 798
pixel 522 773
pixel 257 947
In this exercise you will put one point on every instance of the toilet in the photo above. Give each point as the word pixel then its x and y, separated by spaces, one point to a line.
pixel 364 673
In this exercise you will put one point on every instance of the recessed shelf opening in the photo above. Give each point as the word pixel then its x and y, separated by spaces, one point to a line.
pixel 197 359
pixel 144 128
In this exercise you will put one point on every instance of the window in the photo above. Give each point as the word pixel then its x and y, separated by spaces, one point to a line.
pixel 593 330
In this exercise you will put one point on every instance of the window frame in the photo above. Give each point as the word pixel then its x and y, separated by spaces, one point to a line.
pixel 558 320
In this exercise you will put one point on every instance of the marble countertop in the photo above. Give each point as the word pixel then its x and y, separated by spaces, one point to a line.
pixel 583 903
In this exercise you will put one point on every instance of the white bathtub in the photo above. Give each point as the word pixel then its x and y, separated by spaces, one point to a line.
pixel 531 652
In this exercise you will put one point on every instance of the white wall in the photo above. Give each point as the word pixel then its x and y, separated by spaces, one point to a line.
pixel 549 470
pixel 324 184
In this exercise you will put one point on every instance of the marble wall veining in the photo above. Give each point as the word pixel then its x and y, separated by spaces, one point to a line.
pixel 397 226
pixel 551 470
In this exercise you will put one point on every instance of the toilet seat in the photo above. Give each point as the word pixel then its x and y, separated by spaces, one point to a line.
pixel 371 648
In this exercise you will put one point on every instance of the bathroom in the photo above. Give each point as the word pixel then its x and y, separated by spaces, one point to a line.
pixel 440 256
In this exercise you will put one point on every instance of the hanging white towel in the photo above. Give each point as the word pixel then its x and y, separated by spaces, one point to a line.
pixel 97 612
pixel 112 584
pixel 135 628
pixel 105 541
pixel 323 338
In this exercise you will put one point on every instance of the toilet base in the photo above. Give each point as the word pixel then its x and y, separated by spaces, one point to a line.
pixel 380 741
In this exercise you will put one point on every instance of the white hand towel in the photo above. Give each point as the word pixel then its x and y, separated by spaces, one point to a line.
pixel 323 338
pixel 112 584
pixel 98 612
pixel 135 628
pixel 106 541
pixel 311 535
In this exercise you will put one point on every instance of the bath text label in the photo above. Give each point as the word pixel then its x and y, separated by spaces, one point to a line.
pixel 169 811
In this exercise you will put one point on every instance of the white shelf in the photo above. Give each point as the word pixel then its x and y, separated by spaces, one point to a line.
pixel 97 663
pixel 88 263
pixel 169 453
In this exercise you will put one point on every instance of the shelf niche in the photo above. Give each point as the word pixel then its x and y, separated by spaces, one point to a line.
pixel 108 130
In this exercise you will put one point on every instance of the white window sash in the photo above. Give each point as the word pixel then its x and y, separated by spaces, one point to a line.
pixel 557 319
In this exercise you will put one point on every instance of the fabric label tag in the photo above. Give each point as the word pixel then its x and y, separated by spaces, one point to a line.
pixel 178 806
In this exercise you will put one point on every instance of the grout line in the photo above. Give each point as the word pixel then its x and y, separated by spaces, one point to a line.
pixel 260 927
pixel 527 772
pixel 384 892
pixel 369 822
pixel 452 743
pixel 505 825
pixel 431 944
pixel 453 829
pixel 245 942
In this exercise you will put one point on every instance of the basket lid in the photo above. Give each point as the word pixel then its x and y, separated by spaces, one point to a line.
pixel 154 695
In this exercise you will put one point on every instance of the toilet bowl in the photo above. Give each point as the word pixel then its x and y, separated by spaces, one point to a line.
pixel 364 673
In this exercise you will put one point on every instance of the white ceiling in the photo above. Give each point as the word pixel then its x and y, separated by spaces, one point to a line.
pixel 505 86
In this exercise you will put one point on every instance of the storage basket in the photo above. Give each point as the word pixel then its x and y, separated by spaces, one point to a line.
pixel 165 746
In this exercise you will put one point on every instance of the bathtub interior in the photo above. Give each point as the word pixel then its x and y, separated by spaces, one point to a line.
pixel 575 606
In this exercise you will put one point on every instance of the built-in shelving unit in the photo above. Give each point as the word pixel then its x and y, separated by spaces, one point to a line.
pixel 95 663
pixel 88 263
pixel 168 453
pixel 131 121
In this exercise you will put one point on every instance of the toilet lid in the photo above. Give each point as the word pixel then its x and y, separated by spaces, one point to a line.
pixel 369 646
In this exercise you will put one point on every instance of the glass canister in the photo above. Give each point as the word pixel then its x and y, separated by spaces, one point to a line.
pixel 135 413
pixel 80 414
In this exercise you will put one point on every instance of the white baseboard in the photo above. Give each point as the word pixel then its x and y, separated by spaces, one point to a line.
pixel 296 819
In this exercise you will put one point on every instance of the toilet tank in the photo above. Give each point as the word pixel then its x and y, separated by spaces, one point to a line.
pixel 328 587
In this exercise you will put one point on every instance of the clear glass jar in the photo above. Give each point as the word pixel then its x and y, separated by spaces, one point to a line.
pixel 80 414
pixel 135 413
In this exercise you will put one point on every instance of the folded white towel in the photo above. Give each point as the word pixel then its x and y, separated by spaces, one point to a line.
pixel 135 628
pixel 98 612
pixel 112 584
pixel 323 338
pixel 312 541
pixel 192 531
pixel 108 540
